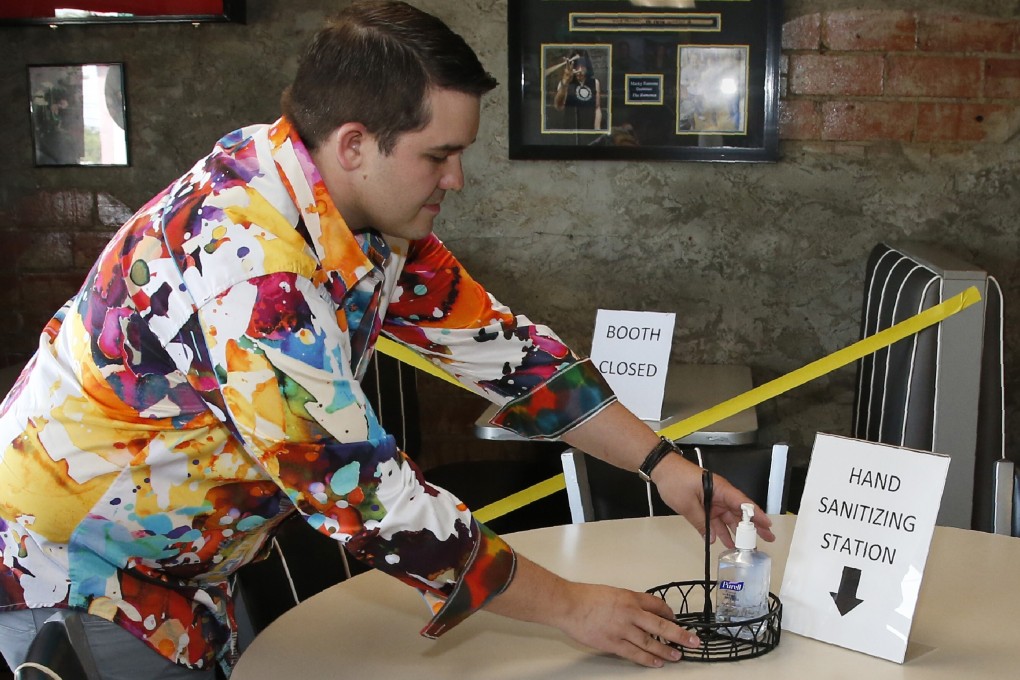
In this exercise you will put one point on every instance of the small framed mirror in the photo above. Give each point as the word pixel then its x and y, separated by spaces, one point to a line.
pixel 79 114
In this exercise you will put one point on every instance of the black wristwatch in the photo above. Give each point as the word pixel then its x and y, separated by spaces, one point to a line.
pixel 661 450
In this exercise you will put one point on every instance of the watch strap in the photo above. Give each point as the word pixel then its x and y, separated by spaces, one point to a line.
pixel 655 456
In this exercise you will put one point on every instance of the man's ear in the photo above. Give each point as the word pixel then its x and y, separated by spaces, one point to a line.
pixel 349 143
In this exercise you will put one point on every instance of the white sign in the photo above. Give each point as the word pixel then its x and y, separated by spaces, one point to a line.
pixel 861 542
pixel 631 350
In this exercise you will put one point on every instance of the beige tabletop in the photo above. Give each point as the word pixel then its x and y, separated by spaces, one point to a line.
pixel 965 626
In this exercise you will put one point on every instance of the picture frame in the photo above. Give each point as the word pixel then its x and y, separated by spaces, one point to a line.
pixel 671 80
pixel 72 12
pixel 78 114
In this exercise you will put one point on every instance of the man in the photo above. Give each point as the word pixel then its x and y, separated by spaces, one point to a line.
pixel 204 382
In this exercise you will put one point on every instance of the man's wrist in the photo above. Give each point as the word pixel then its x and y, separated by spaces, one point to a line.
pixel 664 448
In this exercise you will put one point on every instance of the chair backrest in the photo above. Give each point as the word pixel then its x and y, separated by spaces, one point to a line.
pixel 1006 510
pixel 597 490
pixel 942 389
pixel 59 650
pixel 391 388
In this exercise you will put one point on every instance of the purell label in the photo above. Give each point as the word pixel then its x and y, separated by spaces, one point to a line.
pixel 734 586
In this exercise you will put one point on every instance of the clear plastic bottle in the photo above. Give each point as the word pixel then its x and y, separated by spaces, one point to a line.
pixel 744 576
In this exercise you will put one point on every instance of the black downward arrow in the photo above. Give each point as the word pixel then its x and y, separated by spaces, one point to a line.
pixel 846 598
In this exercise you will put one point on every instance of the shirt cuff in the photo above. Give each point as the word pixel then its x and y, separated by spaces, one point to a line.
pixel 488 572
pixel 563 402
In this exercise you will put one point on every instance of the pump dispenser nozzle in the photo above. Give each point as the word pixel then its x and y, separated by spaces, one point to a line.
pixel 748 510
pixel 747 536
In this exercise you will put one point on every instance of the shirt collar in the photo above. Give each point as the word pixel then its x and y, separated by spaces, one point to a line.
pixel 342 255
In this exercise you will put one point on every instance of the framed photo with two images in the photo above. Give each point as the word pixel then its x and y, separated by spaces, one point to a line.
pixel 682 80
pixel 79 116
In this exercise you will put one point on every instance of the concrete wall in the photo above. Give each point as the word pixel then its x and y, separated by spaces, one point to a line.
pixel 763 264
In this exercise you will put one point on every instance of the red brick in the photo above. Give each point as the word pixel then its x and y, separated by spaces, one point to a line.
pixel 18 348
pixel 799 119
pixel 950 122
pixel 1002 78
pixel 803 33
pixel 878 30
pixel 965 33
pixel 45 294
pixel 86 246
pixel 112 213
pixel 868 121
pixel 917 76
pixel 838 74
pixel 44 251
pixel 56 210
pixel 13 245
pixel 9 297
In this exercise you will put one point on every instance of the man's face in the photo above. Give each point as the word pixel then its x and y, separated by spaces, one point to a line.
pixel 400 193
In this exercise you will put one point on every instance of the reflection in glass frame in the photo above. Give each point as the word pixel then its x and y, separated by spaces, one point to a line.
pixel 576 101
pixel 79 115
pixel 699 82
pixel 711 90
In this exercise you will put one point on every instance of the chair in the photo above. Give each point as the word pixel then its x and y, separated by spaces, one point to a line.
pixel 941 390
pixel 1006 517
pixel 302 561
pixel 59 651
pixel 597 490
pixel 480 482
pixel 391 388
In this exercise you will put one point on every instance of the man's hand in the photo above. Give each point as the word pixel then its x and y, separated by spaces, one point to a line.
pixel 617 436
pixel 624 623
pixel 614 620
pixel 568 72
pixel 679 483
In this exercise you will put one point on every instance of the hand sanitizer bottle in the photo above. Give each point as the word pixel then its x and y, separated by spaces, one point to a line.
pixel 742 588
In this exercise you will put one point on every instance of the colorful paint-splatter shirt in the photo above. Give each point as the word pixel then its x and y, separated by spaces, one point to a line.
pixel 204 383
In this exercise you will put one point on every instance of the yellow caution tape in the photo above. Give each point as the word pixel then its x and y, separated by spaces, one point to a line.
pixel 402 353
pixel 816 369
pixel 739 403
pixel 518 500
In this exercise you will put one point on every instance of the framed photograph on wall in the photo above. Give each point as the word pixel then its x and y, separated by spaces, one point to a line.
pixel 17 12
pixel 633 79
pixel 79 115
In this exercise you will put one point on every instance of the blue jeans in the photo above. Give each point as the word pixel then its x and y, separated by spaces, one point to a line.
pixel 118 654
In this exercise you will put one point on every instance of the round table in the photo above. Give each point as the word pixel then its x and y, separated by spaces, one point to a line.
pixel 965 624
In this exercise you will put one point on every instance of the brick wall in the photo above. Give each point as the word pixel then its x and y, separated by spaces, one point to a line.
pixel 852 79
pixel 49 241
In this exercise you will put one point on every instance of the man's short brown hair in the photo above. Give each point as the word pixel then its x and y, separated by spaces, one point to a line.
pixel 374 63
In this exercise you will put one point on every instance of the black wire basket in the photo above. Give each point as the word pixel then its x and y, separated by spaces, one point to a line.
pixel 691 602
